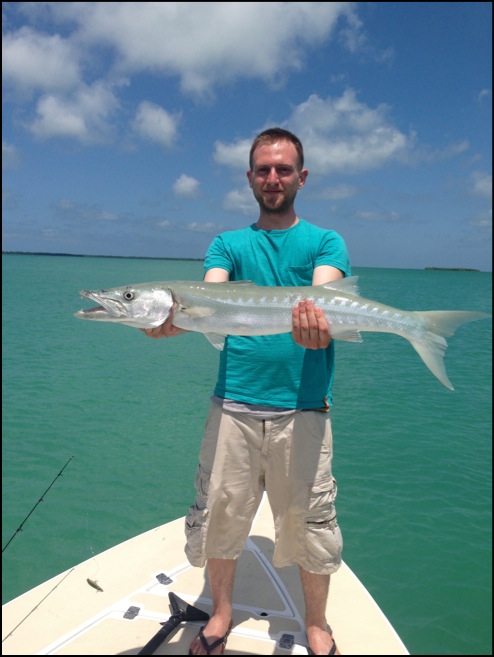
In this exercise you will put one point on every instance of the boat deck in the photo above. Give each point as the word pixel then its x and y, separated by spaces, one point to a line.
pixel 68 616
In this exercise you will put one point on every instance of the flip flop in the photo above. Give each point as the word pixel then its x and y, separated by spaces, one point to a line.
pixel 211 646
pixel 332 650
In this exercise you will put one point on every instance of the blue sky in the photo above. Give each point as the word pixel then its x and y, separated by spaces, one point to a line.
pixel 127 126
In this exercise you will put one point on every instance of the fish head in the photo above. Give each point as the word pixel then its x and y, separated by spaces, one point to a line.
pixel 145 305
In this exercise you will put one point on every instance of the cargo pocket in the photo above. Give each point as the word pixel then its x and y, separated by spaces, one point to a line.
pixel 197 519
pixel 324 542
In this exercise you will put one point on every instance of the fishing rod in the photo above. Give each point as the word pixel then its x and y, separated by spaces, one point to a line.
pixel 36 606
pixel 34 507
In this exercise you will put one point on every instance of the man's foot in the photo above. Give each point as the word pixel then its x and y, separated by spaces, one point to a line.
pixel 211 639
pixel 322 641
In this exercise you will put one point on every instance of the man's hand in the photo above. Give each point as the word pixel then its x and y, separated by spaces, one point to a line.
pixel 165 330
pixel 310 328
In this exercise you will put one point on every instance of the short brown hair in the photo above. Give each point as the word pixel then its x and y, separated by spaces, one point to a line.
pixel 272 135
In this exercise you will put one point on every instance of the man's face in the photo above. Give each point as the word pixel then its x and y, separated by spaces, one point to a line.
pixel 276 176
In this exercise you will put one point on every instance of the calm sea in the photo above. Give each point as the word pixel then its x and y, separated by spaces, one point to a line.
pixel 412 459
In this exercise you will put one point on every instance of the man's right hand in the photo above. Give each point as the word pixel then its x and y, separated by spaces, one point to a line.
pixel 165 330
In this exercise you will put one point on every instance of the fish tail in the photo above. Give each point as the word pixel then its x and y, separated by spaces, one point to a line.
pixel 440 324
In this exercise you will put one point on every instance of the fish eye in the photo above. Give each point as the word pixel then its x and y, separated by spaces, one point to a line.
pixel 128 295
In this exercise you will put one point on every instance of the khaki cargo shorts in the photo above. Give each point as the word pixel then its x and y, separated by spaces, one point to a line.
pixel 290 458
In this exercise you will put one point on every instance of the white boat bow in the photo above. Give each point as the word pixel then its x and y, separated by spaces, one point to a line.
pixel 69 615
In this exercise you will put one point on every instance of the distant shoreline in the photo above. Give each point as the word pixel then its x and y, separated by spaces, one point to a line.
pixel 450 269
pixel 86 255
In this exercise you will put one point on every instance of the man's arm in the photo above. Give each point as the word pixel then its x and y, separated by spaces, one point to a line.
pixel 216 275
pixel 310 328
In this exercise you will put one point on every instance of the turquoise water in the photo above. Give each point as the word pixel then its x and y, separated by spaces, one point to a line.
pixel 413 460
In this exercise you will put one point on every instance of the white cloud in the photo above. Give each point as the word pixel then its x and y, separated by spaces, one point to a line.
pixel 241 200
pixel 484 220
pixel 10 156
pixel 156 124
pixel 66 205
pixel 208 227
pixel 38 61
pixel 9 200
pixel 224 40
pixel 377 216
pixel 104 215
pixel 234 155
pixel 186 186
pixel 424 153
pixel 83 116
pixel 482 184
pixel 84 46
pixel 340 135
pixel 337 192
pixel 205 44
pixel 343 135
pixel 484 94
pixel 355 40
pixel 84 211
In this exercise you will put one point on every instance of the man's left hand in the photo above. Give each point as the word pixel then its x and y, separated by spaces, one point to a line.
pixel 310 328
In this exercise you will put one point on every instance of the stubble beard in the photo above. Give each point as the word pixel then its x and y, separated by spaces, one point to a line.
pixel 282 208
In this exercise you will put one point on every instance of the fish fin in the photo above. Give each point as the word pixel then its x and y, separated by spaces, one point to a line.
pixel 348 284
pixel 348 335
pixel 441 324
pixel 217 340
pixel 445 322
pixel 431 351
pixel 197 311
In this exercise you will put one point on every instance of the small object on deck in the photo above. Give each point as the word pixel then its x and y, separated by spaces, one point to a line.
pixel 286 642
pixel 94 584
pixel 163 579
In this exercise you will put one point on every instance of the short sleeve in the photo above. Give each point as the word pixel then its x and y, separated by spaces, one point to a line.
pixel 217 255
pixel 333 251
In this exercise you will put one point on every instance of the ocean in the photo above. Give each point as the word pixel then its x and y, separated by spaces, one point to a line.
pixel 122 415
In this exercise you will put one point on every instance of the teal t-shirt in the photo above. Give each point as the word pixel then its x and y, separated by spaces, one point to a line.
pixel 272 370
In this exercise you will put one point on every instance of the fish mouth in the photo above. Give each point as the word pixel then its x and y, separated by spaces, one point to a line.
pixel 105 306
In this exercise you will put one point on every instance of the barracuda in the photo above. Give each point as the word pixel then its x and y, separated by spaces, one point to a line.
pixel 242 308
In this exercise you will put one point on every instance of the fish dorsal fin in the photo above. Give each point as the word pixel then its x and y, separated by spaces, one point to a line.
pixel 348 284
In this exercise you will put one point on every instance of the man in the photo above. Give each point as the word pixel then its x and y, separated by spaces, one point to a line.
pixel 268 427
